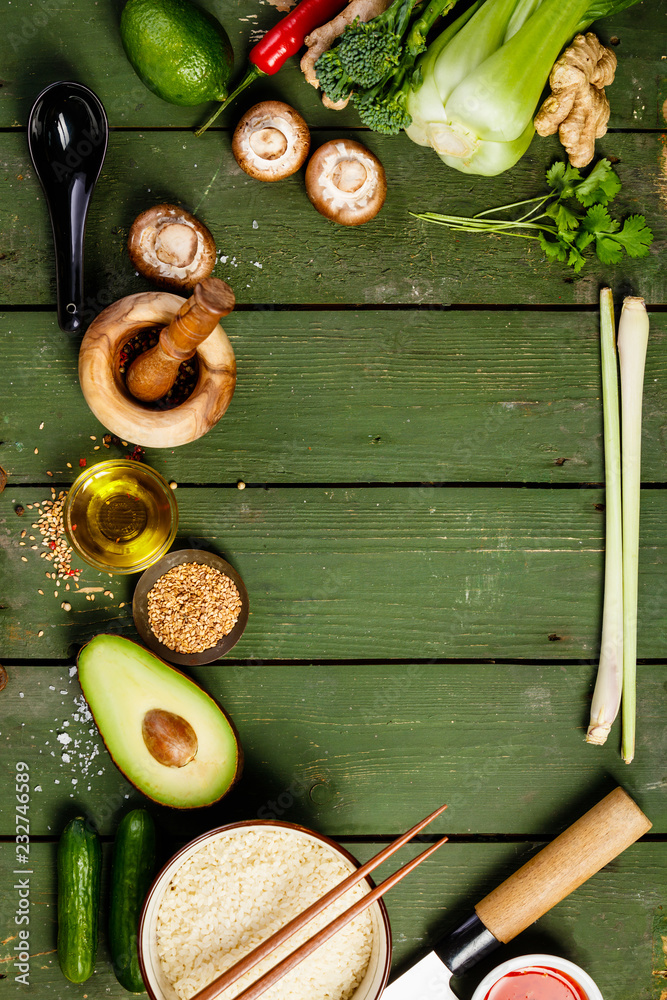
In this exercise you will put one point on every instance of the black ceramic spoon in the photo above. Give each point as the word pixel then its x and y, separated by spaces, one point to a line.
pixel 67 139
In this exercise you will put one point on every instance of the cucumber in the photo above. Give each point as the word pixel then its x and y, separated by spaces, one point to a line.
pixel 79 868
pixel 131 876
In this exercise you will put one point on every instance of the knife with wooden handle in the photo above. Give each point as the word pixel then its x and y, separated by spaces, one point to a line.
pixel 583 849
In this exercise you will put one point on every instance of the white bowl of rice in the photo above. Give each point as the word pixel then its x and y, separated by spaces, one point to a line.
pixel 227 891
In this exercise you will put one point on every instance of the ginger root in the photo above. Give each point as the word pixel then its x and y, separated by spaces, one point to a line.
pixel 578 107
pixel 321 39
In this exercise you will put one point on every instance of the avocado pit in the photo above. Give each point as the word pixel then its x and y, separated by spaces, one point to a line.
pixel 169 738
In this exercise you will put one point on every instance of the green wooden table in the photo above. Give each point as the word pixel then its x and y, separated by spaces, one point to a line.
pixel 418 425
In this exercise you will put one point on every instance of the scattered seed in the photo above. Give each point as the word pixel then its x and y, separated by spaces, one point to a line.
pixel 93 438
pixel 49 473
pixel 240 485
pixel 192 607
pixel 173 485
pixel 36 451
pixel 40 634
pixel 41 592
pixel 24 558
pixel 69 465
pixel 66 606
pixel 41 426
pixel 96 448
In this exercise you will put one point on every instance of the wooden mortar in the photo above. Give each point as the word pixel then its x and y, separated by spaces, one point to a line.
pixel 109 398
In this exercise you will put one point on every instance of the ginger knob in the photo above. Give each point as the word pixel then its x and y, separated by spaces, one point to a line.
pixel 577 107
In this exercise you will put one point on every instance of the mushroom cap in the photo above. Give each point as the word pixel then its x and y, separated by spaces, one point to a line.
pixel 170 247
pixel 346 182
pixel 271 141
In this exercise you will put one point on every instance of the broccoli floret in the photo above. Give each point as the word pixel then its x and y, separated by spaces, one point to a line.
pixel 371 49
pixel 365 53
pixel 332 78
pixel 383 107
pixel 373 62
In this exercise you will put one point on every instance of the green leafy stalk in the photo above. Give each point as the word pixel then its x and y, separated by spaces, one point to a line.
pixel 569 221
pixel 608 686
pixel 383 108
pixel 632 347
pixel 373 62
pixel 478 92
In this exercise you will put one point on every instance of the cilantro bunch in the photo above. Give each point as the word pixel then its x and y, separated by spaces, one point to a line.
pixel 569 221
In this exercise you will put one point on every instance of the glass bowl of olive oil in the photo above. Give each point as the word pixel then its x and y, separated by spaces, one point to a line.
pixel 120 516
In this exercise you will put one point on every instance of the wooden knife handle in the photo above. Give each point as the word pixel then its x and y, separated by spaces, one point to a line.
pixel 583 849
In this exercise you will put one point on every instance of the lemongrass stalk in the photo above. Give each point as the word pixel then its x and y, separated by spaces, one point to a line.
pixel 608 685
pixel 632 345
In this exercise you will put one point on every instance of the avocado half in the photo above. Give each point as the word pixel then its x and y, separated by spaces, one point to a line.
pixel 167 736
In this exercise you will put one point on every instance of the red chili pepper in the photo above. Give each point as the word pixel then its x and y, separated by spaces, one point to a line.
pixel 280 42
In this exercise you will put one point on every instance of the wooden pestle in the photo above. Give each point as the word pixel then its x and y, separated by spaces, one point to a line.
pixel 152 374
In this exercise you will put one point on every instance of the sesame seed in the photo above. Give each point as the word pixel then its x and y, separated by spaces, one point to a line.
pixel 192 607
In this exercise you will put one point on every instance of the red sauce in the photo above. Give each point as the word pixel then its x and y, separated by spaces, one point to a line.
pixel 536 983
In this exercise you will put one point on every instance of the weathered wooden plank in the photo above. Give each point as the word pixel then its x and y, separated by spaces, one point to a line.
pixel 357 749
pixel 605 926
pixel 348 573
pixel 331 397
pixel 60 40
pixel 275 248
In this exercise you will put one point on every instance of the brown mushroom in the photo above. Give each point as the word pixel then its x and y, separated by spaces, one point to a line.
pixel 171 248
pixel 345 182
pixel 271 141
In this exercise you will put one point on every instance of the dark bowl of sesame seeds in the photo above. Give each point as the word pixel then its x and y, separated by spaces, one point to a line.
pixel 191 607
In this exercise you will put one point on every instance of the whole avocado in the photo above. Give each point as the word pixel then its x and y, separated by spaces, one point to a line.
pixel 178 50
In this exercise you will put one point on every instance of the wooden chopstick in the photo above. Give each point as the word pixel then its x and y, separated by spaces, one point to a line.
pixel 216 987
pixel 287 964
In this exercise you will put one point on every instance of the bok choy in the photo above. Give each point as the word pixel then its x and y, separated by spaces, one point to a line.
pixel 476 89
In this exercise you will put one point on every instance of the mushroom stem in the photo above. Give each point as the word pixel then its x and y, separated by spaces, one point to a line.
pixel 152 374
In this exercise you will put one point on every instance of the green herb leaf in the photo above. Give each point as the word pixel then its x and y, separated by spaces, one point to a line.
pixel 598 221
pixel 553 249
pixel 563 179
pixel 635 236
pixel 600 187
pixel 576 259
pixel 563 216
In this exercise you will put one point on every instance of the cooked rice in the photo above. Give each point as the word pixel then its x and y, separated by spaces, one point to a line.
pixel 242 887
